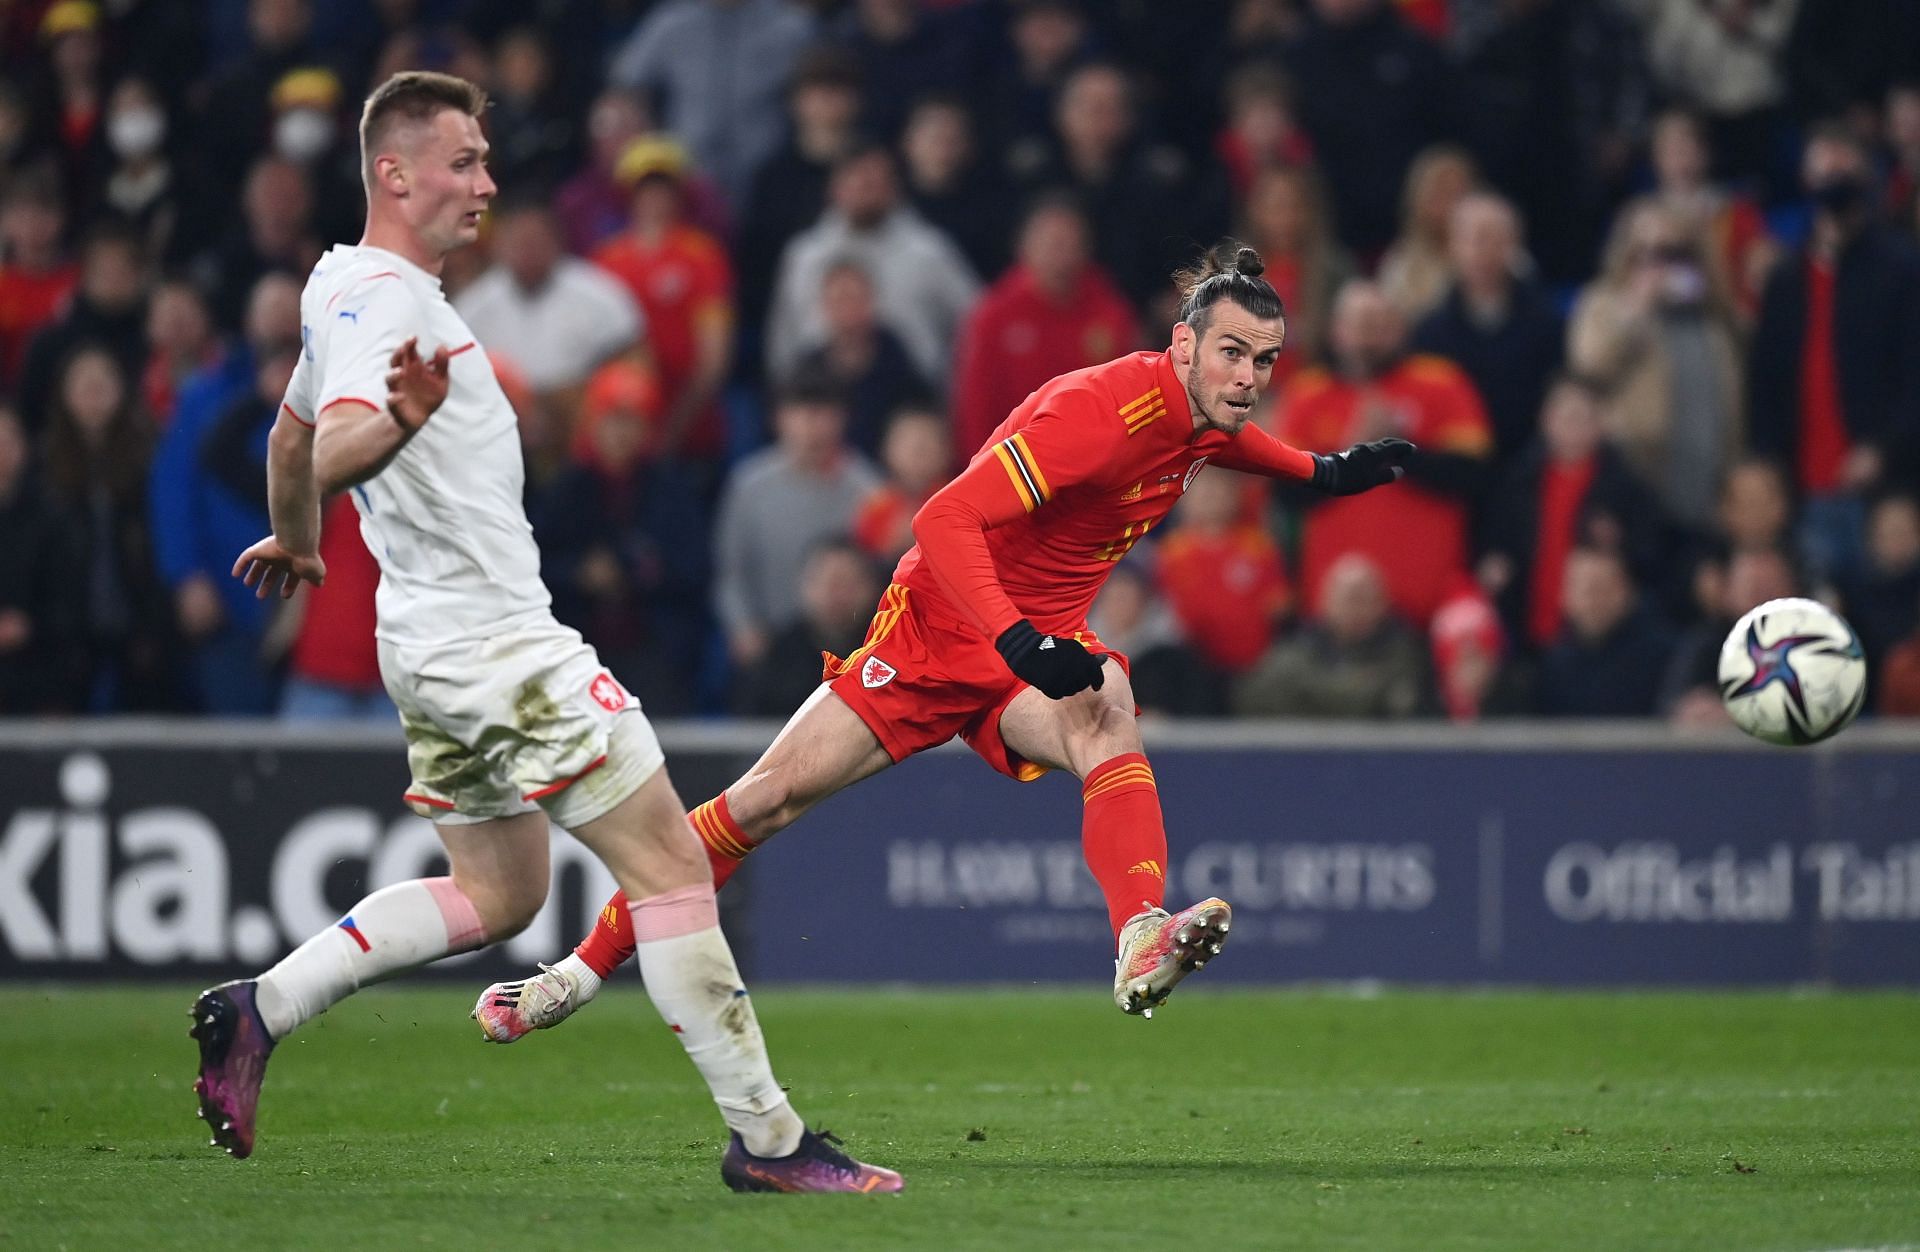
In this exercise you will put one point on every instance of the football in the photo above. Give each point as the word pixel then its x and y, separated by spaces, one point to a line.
pixel 1792 672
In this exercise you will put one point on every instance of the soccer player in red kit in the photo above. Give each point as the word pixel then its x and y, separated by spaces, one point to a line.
pixel 983 633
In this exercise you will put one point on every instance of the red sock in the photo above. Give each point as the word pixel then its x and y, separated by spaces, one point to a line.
pixel 609 944
pixel 727 844
pixel 1124 837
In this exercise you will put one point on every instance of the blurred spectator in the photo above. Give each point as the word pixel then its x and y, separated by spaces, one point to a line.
pixel 1139 195
pixel 1690 685
pixel 554 316
pixel 904 50
pixel 19 146
pixel 96 469
pixel 1754 506
pixel 1902 198
pixel 236 107
pixel 1222 574
pixel 535 135
pixel 922 283
pixel 915 456
pixel 1415 532
pixel 1169 678
pixel 207 499
pixel 1737 249
pixel 1661 341
pixel 1284 218
pixel 35 275
pixel 1494 321
pixel 1883 603
pixel 1415 270
pixel 1899 680
pixel 721 66
pixel 1263 131
pixel 1372 94
pixel 181 343
pixel 778 503
pixel 683 282
pixel 1472 675
pixel 223 628
pixel 864 359
pixel 68 99
pixel 593 204
pixel 1723 58
pixel 277 234
pixel 39 595
pixel 838 589
pixel 1835 380
pixel 310 131
pixel 1611 654
pixel 950 184
pixel 624 542
pixel 1053 312
pixel 333 663
pixel 1351 659
pixel 1049 37
pixel 790 190
pixel 108 308
pixel 1553 102
pixel 140 184
pixel 1569 490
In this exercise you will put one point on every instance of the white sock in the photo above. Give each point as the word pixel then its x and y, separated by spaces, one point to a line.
pixel 391 931
pixel 583 975
pixel 693 981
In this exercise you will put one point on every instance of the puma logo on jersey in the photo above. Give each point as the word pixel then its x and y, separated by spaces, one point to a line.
pixel 1046 643
pixel 876 673
pixel 352 315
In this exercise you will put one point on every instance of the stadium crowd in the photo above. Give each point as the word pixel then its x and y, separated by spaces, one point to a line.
pixel 1640 277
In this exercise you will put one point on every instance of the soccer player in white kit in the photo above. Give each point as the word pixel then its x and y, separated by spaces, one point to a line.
pixel 510 718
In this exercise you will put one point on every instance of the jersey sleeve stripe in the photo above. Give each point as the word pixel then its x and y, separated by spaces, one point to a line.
pixel 1031 463
pixel 1022 485
pixel 295 416
pixel 1147 417
pixel 1132 406
pixel 468 346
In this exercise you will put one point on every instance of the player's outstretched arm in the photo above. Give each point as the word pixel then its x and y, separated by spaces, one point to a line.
pixel 354 441
pixel 1360 468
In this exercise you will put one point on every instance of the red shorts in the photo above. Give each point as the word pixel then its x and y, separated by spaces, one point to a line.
pixel 924 675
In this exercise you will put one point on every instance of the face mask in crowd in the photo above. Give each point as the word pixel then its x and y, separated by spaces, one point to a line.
pixel 302 134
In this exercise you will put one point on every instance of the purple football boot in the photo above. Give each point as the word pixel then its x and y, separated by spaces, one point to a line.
pixel 816 1165
pixel 234 1046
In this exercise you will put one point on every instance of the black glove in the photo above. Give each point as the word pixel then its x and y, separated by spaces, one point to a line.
pixel 1055 664
pixel 1362 467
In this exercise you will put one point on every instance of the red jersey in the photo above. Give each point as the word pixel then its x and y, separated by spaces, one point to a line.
pixel 336 644
pixel 1084 468
pixel 1418 537
pixel 681 283
pixel 1226 588
pixel 29 299
pixel 1019 337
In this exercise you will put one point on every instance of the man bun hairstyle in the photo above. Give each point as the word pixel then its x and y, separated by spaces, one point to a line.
pixel 1229 271
pixel 412 96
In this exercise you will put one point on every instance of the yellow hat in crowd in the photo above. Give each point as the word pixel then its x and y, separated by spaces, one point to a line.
pixel 312 87
pixel 70 17
pixel 647 156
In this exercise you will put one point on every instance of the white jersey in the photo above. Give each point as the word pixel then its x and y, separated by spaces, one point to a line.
pixel 444 519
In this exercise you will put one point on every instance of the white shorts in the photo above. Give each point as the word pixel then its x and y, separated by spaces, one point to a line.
pixel 525 720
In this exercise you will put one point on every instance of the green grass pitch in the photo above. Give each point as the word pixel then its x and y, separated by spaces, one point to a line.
pixel 1022 1119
